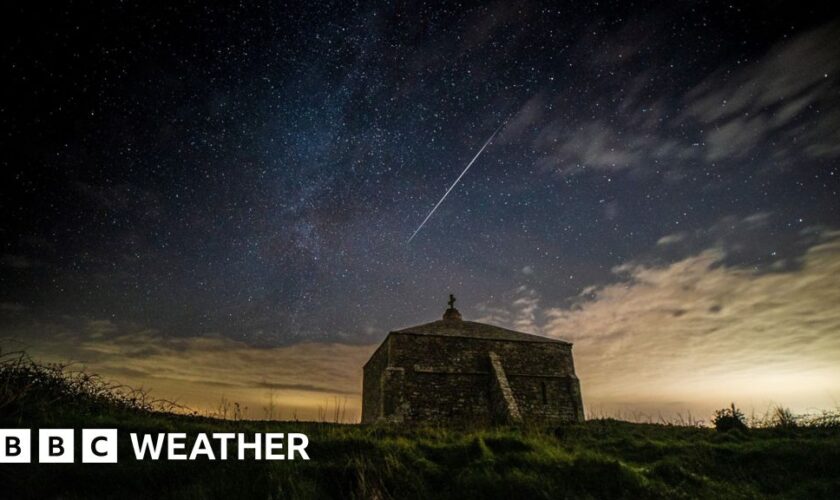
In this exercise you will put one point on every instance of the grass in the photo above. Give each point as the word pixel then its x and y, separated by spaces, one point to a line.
pixel 598 459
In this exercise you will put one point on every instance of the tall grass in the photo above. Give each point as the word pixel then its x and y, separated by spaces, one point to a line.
pixel 782 456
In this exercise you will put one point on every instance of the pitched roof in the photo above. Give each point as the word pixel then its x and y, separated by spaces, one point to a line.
pixel 472 329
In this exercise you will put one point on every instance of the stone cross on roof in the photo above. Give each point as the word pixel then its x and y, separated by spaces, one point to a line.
pixel 451 314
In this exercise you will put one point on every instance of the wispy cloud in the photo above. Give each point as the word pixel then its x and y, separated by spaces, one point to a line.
pixel 780 106
pixel 670 239
pixel 689 334
pixel 517 309
pixel 13 261
pixel 597 145
pixel 735 311
pixel 745 107
pixel 699 333
pixel 300 379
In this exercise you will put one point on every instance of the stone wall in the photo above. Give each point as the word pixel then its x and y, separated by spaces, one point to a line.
pixel 372 384
pixel 548 399
pixel 445 378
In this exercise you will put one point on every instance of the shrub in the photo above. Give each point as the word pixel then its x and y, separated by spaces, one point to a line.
pixel 729 419
pixel 29 389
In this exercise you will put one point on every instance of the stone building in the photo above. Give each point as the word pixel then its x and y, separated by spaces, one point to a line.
pixel 452 371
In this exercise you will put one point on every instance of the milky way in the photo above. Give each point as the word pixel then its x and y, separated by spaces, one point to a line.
pixel 252 173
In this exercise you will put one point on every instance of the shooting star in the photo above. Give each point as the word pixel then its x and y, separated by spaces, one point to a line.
pixel 456 182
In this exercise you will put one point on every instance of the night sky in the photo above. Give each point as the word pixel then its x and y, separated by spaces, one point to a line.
pixel 224 195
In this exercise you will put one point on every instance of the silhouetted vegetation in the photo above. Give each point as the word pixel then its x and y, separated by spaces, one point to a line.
pixel 30 390
pixel 729 419
pixel 601 458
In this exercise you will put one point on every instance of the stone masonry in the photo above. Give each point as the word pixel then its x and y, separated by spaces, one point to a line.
pixel 455 371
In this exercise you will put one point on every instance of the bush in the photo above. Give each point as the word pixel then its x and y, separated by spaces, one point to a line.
pixel 31 390
pixel 729 419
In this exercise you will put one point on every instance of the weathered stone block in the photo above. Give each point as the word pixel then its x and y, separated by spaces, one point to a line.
pixel 455 371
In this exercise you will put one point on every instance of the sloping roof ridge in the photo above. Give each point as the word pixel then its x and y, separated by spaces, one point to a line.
pixel 474 329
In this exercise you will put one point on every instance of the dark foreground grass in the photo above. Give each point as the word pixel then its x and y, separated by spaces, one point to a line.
pixel 598 459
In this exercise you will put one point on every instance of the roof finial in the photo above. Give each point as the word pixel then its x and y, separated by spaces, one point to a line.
pixel 451 314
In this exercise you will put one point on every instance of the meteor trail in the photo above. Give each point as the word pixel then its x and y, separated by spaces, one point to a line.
pixel 455 183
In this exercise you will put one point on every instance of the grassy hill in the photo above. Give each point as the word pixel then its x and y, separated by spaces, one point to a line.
pixel 598 459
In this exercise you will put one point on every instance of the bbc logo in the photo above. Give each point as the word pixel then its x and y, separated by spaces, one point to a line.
pixel 56 446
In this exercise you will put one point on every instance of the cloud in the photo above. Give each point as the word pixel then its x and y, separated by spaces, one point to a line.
pixel 529 115
pixel 671 239
pixel 597 145
pixel 745 107
pixel 19 261
pixel 696 333
pixel 301 379
pixel 735 138
pixel 12 307
pixel 782 106
pixel 526 306
pixel 789 76
pixel 519 310
pixel 689 334
pixel 761 242
pixel 740 310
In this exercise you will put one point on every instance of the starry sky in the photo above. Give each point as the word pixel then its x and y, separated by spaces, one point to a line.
pixel 217 200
